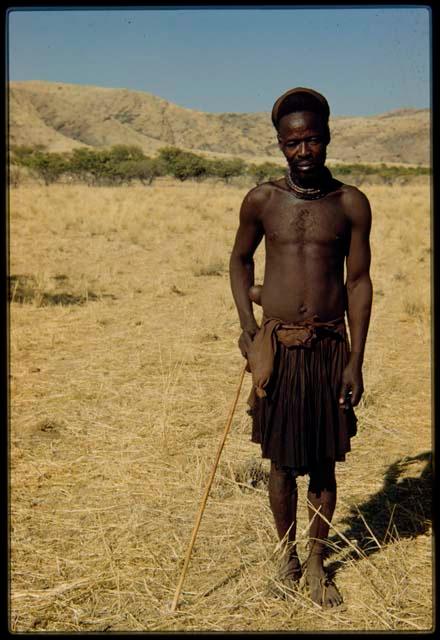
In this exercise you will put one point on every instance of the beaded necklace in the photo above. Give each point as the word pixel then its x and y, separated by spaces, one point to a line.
pixel 311 193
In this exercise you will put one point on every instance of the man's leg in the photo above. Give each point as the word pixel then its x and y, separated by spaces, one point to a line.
pixel 283 498
pixel 322 498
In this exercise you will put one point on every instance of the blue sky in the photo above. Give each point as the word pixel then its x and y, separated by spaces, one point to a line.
pixel 365 60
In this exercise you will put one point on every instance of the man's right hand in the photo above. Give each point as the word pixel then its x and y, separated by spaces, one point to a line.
pixel 244 342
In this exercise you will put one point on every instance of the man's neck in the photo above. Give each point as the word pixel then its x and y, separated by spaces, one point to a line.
pixel 315 181
pixel 310 189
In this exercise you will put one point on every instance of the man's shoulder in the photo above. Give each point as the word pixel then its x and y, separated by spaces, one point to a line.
pixel 355 203
pixel 261 193
pixel 352 195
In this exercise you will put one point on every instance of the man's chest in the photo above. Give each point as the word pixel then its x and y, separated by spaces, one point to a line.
pixel 288 220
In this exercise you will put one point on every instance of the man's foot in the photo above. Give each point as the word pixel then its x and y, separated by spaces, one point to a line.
pixel 289 571
pixel 287 579
pixel 322 589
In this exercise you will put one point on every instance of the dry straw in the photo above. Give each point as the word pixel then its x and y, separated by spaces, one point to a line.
pixel 206 494
pixel 118 397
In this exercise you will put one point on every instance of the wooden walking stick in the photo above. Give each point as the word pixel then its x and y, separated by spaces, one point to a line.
pixel 205 496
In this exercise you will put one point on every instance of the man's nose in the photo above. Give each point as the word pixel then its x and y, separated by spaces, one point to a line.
pixel 303 149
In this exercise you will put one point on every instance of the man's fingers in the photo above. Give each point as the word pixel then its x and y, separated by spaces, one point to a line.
pixel 350 395
pixel 345 390
pixel 244 343
pixel 356 396
pixel 247 340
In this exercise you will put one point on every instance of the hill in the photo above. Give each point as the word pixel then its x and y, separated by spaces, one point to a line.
pixel 65 116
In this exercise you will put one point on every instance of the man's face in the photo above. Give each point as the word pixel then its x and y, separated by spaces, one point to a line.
pixel 302 137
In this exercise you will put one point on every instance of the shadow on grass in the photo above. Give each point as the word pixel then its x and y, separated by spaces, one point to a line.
pixel 25 290
pixel 401 509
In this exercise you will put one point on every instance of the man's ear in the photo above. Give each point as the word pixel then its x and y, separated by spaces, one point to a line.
pixel 280 141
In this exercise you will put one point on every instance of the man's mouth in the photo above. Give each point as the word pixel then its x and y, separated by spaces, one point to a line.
pixel 303 165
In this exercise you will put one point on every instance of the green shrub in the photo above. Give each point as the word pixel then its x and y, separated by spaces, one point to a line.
pixel 145 170
pixel 122 153
pixel 124 163
pixel 99 167
pixel 383 170
pixel 265 171
pixel 182 164
pixel 48 166
pixel 226 169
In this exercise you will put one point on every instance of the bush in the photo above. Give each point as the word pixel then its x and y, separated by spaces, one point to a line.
pixel 123 153
pixel 226 169
pixel 22 154
pixel 182 164
pixel 84 165
pixel 265 171
pixel 48 166
pixel 97 167
pixel 387 172
pixel 124 163
pixel 144 170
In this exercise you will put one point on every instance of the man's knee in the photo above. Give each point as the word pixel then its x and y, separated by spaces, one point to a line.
pixel 323 478
pixel 281 479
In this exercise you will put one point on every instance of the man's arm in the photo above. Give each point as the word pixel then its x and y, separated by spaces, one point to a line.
pixel 359 293
pixel 241 265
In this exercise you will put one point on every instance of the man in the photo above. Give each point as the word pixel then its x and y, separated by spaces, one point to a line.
pixel 306 379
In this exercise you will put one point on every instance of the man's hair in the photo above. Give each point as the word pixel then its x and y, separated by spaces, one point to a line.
pixel 301 99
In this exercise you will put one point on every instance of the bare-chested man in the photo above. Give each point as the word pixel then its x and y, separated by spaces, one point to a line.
pixel 306 377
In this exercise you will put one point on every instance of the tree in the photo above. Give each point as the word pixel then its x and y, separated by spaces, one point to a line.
pixel 144 170
pixel 182 164
pixel 125 152
pixel 49 166
pixel 22 153
pixel 84 164
pixel 94 167
pixel 226 169
pixel 265 171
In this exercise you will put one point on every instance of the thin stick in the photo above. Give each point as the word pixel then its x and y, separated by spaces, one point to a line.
pixel 208 487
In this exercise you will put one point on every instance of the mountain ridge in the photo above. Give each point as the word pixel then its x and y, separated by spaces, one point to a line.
pixel 63 116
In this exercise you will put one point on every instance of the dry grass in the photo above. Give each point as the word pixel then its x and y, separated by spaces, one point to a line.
pixel 123 367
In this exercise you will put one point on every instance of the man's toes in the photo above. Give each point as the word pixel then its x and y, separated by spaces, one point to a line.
pixel 332 597
pixel 316 592
pixel 290 569
pixel 322 592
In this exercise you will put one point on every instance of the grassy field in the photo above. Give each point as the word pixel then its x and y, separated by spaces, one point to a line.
pixel 123 367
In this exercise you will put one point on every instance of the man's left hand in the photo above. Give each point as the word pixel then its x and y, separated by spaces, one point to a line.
pixel 352 386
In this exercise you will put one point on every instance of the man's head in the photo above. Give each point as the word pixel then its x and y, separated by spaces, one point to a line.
pixel 300 117
pixel 300 99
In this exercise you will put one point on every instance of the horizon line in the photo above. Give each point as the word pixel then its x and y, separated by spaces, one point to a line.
pixel 95 86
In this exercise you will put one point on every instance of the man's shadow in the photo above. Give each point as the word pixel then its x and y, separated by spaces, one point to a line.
pixel 401 509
